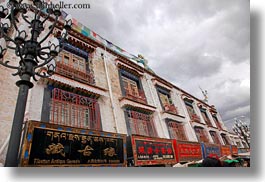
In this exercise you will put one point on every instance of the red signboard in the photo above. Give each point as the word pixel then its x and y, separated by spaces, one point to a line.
pixel 234 150
pixel 152 151
pixel 225 150
pixel 187 151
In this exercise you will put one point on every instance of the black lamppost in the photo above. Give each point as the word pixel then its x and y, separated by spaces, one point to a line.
pixel 242 130
pixel 35 58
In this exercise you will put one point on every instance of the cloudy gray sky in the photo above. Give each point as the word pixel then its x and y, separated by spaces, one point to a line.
pixel 191 43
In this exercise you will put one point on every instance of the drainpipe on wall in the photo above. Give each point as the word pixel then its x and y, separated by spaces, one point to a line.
pixel 103 56
pixel 157 110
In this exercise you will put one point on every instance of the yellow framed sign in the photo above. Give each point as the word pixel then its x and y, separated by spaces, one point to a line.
pixel 50 145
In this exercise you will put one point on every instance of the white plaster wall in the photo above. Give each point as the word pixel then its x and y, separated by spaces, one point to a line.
pixel 176 98
pixel 106 113
pixel 221 121
pixel 208 134
pixel 160 124
pixel 35 102
pixel 188 126
pixel 148 93
pixel 210 117
pixel 108 117
pixel 221 139
pixel 198 111
pixel 8 100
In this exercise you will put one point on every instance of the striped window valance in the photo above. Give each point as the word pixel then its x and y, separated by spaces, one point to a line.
pixel 75 50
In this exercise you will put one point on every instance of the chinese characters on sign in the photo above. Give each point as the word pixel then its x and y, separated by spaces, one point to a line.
pixel 209 149
pixel 152 152
pixel 188 151
pixel 49 147
pixel 225 150
pixel 234 150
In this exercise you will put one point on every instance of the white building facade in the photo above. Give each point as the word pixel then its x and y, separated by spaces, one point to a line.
pixel 96 88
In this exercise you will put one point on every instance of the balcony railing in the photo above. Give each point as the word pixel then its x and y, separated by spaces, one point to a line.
pixel 70 109
pixel 74 73
pixel 139 97
pixel 170 108
pixel 195 118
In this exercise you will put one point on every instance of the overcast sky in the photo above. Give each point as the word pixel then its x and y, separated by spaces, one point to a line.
pixel 190 43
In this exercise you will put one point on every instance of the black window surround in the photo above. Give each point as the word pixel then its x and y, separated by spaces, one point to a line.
pixel 123 73
pixel 164 91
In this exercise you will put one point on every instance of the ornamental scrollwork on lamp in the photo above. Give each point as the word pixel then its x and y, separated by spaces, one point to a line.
pixel 36 58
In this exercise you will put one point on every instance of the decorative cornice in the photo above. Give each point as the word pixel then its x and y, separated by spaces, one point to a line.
pixel 173 117
pixel 201 125
pixel 76 41
pixel 130 69
pixel 162 83
pixel 186 97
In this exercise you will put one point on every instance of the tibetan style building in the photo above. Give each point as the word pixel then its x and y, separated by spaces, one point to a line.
pixel 106 107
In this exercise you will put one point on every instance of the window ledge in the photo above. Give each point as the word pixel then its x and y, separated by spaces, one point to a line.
pixel 198 124
pixel 72 83
pixel 124 101
pixel 167 115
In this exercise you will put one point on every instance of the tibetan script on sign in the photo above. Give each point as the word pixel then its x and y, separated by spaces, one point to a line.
pixel 50 147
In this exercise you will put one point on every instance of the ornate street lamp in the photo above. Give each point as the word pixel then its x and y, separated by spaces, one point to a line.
pixel 242 130
pixel 36 59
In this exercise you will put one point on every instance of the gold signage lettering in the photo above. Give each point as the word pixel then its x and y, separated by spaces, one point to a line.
pixel 50 134
pixel 86 152
pixel 63 135
pixel 57 135
pixel 109 152
pixel 68 161
pixel 55 149
pixel 57 161
pixel 95 139
pixel 114 161
pixel 39 161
